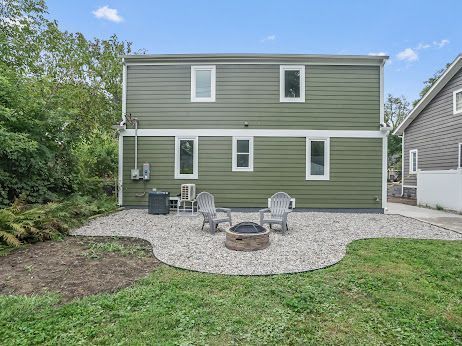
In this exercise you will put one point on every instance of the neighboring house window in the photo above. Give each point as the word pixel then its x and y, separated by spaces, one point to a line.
pixel 186 157
pixel 203 80
pixel 242 154
pixel 317 158
pixel 413 165
pixel 292 83
pixel 458 101
pixel 460 155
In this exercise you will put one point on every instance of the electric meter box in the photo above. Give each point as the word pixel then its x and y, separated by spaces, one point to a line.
pixel 146 171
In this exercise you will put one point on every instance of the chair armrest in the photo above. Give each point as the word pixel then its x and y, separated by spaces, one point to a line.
pixel 266 210
pixel 287 212
pixel 225 210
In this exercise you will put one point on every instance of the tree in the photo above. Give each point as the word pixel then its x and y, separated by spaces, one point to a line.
pixel 59 95
pixel 429 83
pixel 396 109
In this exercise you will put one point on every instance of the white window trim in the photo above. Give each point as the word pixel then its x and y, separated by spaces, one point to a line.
pixel 326 175
pixel 284 68
pixel 411 171
pixel 195 174
pixel 460 157
pixel 234 159
pixel 454 102
pixel 194 69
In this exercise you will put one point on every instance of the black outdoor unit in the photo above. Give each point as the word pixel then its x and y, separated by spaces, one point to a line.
pixel 159 202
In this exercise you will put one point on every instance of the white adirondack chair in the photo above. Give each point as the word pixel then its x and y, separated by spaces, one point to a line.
pixel 279 209
pixel 206 204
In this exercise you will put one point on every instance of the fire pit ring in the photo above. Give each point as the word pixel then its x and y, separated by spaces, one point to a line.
pixel 247 236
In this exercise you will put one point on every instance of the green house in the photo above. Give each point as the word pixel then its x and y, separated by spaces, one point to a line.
pixel 244 126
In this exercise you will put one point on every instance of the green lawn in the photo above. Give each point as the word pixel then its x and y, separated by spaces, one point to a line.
pixel 385 291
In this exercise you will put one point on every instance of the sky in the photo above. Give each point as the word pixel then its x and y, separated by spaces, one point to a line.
pixel 419 36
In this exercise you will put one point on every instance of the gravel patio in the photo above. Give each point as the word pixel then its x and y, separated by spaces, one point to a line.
pixel 315 240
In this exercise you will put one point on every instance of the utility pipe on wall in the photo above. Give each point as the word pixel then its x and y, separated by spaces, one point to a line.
pixel 136 143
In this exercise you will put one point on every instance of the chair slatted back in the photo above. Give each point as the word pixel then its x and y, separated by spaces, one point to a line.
pixel 206 203
pixel 279 203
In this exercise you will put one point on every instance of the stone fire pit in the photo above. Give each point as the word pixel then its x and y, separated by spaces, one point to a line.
pixel 247 236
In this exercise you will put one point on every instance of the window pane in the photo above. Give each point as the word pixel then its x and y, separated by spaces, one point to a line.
pixel 242 145
pixel 460 155
pixel 203 83
pixel 292 84
pixel 243 160
pixel 459 101
pixel 414 161
pixel 186 156
pixel 317 157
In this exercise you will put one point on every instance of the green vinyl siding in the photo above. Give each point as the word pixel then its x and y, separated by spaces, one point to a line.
pixel 337 98
pixel 279 165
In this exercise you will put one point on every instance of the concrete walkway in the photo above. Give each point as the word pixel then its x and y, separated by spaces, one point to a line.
pixel 435 217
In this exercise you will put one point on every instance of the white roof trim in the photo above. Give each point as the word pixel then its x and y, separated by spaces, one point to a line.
pixel 434 90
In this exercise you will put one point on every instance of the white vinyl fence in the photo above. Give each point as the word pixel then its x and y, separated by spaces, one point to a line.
pixel 440 188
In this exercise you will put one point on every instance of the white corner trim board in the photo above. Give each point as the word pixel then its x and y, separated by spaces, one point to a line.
pixel 120 186
pixel 252 133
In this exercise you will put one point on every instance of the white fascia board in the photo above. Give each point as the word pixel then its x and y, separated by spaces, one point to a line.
pixel 434 90
pixel 253 133
pixel 282 62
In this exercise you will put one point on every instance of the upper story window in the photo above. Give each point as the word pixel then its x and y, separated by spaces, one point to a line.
pixel 413 165
pixel 457 101
pixel 242 154
pixel 317 158
pixel 186 157
pixel 292 83
pixel 203 83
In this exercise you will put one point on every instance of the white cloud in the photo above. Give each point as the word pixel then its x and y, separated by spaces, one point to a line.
pixel 269 38
pixel 108 13
pixel 441 43
pixel 377 54
pixel 423 46
pixel 408 54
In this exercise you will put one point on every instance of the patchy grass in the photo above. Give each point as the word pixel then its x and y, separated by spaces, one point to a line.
pixel 96 249
pixel 385 291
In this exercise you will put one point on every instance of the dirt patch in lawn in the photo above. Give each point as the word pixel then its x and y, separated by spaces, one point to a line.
pixel 76 266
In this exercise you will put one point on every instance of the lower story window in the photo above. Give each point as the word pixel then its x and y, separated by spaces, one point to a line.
pixel 186 157
pixel 413 166
pixel 317 158
pixel 242 154
pixel 460 155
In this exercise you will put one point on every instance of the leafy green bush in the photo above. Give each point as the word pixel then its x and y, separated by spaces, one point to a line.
pixel 96 163
pixel 22 223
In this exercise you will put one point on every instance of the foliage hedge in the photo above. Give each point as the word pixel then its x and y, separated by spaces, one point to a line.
pixel 23 223
pixel 59 95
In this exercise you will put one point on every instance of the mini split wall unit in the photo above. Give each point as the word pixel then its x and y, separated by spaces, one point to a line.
pixel 245 126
